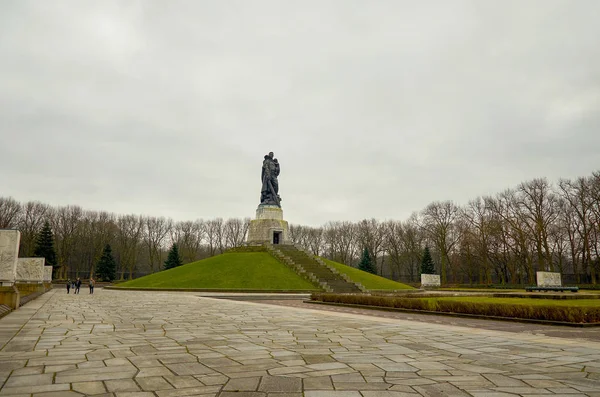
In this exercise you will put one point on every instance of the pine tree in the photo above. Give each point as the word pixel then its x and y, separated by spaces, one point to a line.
pixel 44 245
pixel 106 269
pixel 173 259
pixel 427 263
pixel 366 264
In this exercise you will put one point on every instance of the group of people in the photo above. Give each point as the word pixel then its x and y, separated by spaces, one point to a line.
pixel 76 285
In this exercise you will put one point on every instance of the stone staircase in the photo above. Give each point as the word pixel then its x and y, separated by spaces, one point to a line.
pixel 314 269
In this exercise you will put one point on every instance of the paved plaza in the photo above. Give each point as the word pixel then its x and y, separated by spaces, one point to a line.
pixel 180 344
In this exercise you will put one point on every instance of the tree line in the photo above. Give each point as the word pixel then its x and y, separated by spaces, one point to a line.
pixel 503 238
pixel 139 243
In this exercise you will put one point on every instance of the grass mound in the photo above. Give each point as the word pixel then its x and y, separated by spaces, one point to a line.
pixel 236 270
pixel 370 281
pixel 572 311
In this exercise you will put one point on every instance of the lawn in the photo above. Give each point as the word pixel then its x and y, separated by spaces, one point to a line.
pixel 370 281
pixel 245 270
pixel 570 310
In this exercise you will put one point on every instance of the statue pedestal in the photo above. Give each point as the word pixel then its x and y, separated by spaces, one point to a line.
pixel 268 227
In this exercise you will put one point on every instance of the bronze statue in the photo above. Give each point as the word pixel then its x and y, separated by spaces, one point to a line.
pixel 269 193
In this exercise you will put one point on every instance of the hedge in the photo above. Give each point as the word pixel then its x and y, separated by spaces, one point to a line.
pixel 538 312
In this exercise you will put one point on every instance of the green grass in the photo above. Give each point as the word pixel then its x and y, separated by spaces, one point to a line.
pixel 247 270
pixel 370 281
pixel 572 311
pixel 523 301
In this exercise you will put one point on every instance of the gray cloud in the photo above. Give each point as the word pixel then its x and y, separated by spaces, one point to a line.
pixel 374 109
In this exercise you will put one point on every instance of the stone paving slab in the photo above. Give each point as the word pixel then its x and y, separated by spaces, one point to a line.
pixel 126 343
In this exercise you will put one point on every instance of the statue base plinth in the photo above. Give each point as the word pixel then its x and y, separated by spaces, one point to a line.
pixel 268 227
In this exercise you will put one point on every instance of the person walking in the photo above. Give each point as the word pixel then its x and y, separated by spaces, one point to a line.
pixel 68 286
pixel 73 285
pixel 92 283
pixel 77 285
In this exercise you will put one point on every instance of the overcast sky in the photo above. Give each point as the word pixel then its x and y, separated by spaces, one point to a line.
pixel 373 108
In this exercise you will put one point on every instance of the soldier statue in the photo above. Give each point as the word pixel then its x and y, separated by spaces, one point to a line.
pixel 269 193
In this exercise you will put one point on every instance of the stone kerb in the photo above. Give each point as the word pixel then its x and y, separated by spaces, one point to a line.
pixel 548 279
pixel 30 270
pixel 9 253
pixel 430 280
pixel 47 274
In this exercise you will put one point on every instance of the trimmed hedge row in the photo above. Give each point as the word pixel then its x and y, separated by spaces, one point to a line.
pixel 247 248
pixel 549 313
pixel 515 286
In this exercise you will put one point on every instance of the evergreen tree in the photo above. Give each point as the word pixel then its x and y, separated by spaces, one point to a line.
pixel 366 264
pixel 427 263
pixel 173 259
pixel 106 269
pixel 44 245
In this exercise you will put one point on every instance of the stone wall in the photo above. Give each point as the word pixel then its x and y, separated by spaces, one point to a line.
pixel 9 253
pixel 30 270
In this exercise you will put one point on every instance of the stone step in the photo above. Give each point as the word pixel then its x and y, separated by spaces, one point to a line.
pixel 334 281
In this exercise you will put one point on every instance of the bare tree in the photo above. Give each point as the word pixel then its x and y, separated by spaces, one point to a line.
pixel 578 194
pixel 129 237
pixel 315 240
pixel 341 241
pixel 9 212
pixel 371 235
pixel 66 221
pixel 514 236
pixel 297 234
pixel 439 220
pixel 539 208
pixel 235 230
pixel 156 231
pixel 214 235
pixel 479 217
pixel 189 237
pixel 30 222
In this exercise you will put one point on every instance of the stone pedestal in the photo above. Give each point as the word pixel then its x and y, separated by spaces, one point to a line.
pixel 268 227
pixel 30 270
pixel 9 253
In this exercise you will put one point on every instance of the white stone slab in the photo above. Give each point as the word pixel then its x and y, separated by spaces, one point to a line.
pixel 9 252
pixel 548 279
pixel 430 280
pixel 30 270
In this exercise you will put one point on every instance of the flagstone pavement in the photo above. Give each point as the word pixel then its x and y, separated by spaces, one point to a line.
pixel 130 343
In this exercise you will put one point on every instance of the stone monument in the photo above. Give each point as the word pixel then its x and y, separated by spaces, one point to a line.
pixel 430 281
pixel 30 270
pixel 548 279
pixel 9 254
pixel 47 274
pixel 269 226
